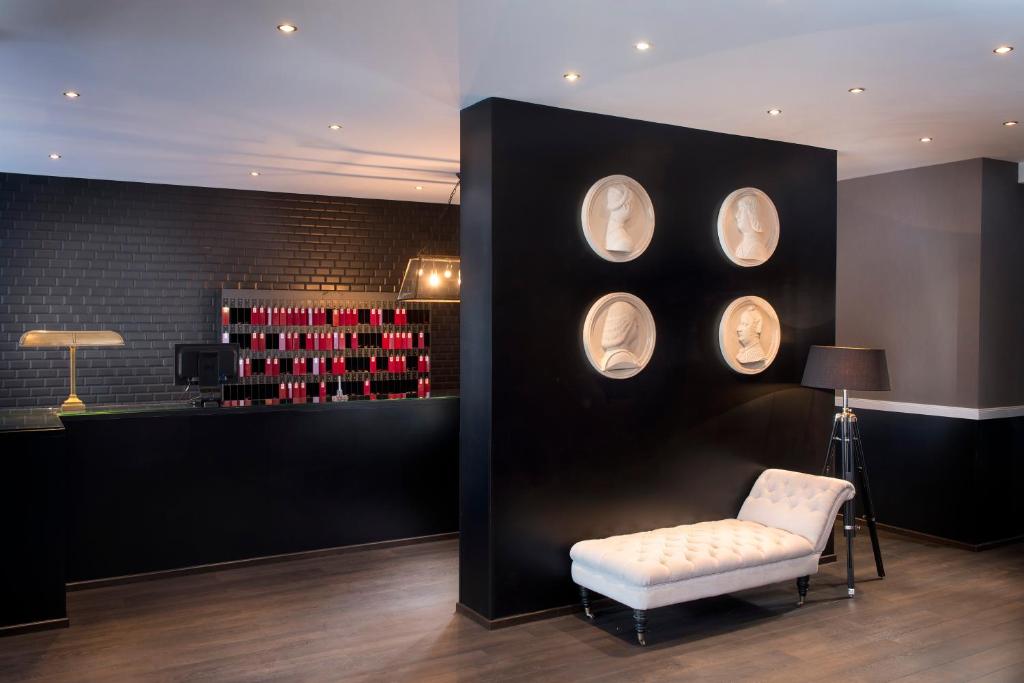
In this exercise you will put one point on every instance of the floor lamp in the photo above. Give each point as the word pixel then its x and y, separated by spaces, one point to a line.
pixel 846 369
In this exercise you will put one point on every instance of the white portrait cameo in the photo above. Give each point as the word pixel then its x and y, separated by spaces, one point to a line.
pixel 618 335
pixel 617 218
pixel 748 227
pixel 749 335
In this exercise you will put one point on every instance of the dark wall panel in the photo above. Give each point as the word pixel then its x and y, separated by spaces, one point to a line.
pixel 150 260
pixel 952 478
pixel 573 455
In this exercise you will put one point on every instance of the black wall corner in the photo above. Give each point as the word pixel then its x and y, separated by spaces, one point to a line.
pixel 475 361
pixel 553 452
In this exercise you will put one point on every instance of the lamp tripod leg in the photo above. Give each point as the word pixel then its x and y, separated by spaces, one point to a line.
pixel 866 501
pixel 830 452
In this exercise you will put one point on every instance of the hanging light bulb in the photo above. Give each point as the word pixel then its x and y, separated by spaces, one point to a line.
pixel 447 271
pixel 434 280
pixel 419 273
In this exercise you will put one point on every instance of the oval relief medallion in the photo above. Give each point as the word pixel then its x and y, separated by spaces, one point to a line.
pixel 748 227
pixel 749 335
pixel 619 335
pixel 617 218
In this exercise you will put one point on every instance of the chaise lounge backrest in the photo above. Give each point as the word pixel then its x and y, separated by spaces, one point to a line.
pixel 799 503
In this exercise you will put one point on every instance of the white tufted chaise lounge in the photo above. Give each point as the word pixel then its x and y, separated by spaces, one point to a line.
pixel 778 534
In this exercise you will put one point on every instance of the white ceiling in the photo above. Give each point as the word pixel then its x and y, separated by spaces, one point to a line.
pixel 201 92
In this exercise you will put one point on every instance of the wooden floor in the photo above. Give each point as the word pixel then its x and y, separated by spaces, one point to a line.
pixel 387 615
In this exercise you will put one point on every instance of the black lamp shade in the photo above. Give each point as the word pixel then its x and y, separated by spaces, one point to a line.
pixel 844 367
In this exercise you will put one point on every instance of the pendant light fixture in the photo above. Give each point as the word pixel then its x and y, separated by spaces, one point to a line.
pixel 433 279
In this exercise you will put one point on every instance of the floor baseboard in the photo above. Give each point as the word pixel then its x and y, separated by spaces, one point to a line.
pixel 516 619
pixel 253 561
pixel 32 626
pixel 921 536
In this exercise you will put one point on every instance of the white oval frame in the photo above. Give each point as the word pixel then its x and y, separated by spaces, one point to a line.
pixel 648 332
pixel 596 242
pixel 725 328
pixel 725 224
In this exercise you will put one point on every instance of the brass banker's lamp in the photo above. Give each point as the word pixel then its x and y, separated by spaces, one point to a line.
pixel 56 339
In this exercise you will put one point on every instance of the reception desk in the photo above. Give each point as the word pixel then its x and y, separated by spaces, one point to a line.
pixel 154 489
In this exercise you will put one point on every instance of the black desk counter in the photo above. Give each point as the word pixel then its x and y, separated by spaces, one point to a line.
pixel 164 487
pixel 32 497
pixel 152 488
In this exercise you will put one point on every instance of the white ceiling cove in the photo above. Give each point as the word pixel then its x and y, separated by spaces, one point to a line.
pixel 202 92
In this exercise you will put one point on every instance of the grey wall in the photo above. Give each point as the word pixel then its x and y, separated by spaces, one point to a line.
pixel 908 278
pixel 1001 373
pixel 149 261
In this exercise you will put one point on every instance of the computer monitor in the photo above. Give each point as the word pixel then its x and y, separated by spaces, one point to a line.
pixel 205 365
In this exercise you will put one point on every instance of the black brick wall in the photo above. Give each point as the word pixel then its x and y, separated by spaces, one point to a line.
pixel 149 261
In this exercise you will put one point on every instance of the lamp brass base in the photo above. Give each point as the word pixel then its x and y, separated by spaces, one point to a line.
pixel 73 404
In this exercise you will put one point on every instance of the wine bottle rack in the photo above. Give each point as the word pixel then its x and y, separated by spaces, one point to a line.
pixel 303 347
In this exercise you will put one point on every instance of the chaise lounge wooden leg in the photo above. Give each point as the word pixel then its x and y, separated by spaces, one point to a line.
pixel 640 618
pixel 801 587
pixel 585 599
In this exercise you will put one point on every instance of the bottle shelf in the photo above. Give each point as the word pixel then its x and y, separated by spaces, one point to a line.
pixel 291 345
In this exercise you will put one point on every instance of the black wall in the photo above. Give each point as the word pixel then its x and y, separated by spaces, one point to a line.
pixel 150 260
pixel 552 452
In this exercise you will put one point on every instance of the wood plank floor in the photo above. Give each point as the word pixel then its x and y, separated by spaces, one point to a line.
pixel 387 615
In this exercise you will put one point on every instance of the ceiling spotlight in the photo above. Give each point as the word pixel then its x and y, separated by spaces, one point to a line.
pixel 54 156
pixel 72 94
pixel 287 28
pixel 572 76
pixel 856 91
pixel 335 126
pixel 1010 124
pixel 774 112
pixel 643 46
pixel 419 187
pixel 926 139
pixel 1003 49
pixel 254 173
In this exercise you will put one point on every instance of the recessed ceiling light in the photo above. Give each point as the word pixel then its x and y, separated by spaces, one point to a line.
pixel 856 91
pixel 1003 49
pixel 643 46
pixel 254 173
pixel 287 28
pixel 926 139
pixel 572 76
pixel 335 126
pixel 419 187
pixel 774 112
pixel 54 156
pixel 1010 123
pixel 71 94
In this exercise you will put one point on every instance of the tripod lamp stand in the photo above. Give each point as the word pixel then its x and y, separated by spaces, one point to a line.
pixel 846 369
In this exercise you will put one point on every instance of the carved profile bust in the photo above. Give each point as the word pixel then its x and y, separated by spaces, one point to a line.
pixel 749 335
pixel 748 331
pixel 617 218
pixel 620 209
pixel 748 227
pixel 619 335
